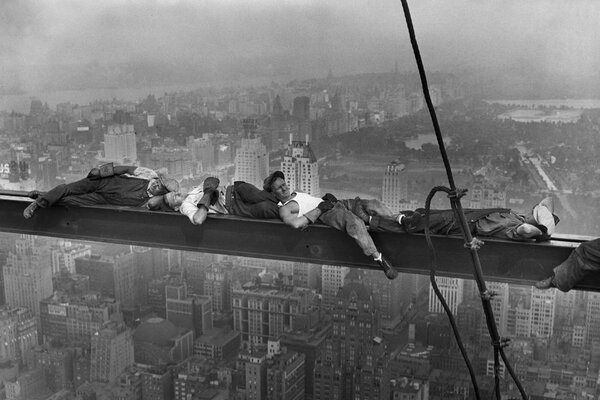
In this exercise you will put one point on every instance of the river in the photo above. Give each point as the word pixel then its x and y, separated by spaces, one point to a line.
pixel 22 102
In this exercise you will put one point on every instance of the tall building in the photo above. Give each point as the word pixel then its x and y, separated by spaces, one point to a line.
pixel 332 279
pixel 27 275
pixel 256 376
pixel 301 115
pixel 57 364
pixel 285 376
pixel 217 285
pixel 354 363
pixel 65 253
pixel 300 167
pixel 73 320
pixel 251 161
pixel 592 318
pixel 263 312
pixel 191 312
pixel 394 188
pixel 8 337
pixel 118 276
pixel 119 143
pixel 542 312
pixel 386 293
pixel 451 289
pixel 111 352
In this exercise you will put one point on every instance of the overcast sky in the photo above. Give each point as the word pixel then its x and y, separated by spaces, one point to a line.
pixel 347 36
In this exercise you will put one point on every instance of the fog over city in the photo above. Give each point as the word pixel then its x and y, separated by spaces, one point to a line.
pixel 233 39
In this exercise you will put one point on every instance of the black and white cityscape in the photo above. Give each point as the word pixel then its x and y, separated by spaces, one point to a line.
pixel 329 90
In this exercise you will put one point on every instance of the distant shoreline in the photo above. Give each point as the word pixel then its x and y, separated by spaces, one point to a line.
pixel 573 103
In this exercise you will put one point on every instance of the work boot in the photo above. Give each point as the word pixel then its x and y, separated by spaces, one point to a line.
pixel 545 283
pixel 34 194
pixel 389 271
pixel 28 212
pixel 411 222
pixel 359 211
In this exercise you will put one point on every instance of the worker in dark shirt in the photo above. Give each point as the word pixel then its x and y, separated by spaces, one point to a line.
pixel 109 184
pixel 502 223
pixel 582 261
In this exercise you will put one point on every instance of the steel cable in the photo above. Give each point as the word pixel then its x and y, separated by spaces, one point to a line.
pixel 455 195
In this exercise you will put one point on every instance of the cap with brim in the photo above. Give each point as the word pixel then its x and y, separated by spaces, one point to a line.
pixel 169 184
pixel 544 217
pixel 270 179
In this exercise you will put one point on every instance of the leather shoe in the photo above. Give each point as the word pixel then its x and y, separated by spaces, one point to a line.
pixel 34 194
pixel 28 212
pixel 545 283
pixel 359 211
pixel 389 271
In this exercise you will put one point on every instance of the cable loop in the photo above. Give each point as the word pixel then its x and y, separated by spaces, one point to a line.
pixel 501 343
pixel 457 194
pixel 488 294
pixel 474 244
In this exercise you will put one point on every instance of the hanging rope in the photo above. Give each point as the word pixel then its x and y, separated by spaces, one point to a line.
pixel 455 196
pixel 439 294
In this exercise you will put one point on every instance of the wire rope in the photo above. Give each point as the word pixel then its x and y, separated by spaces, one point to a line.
pixel 470 242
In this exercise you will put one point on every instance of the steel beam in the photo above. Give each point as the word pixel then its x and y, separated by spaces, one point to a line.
pixel 503 261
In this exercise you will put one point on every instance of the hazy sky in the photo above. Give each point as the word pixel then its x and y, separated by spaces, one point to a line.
pixel 345 35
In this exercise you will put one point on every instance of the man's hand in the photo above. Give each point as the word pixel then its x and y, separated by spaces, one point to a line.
pixel 104 171
pixel 325 206
pixel 329 197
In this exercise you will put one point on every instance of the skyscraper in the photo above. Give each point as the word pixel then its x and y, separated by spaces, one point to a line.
pixel 592 318
pixel 451 289
pixel 354 363
pixel 300 167
pixel 285 376
pixel 263 312
pixel 112 352
pixel 332 279
pixel 394 188
pixel 542 312
pixel 192 312
pixel 119 143
pixel 27 275
pixel 251 162
pixel 116 276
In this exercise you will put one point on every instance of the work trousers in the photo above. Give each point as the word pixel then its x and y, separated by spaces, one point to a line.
pixel 246 200
pixel 583 260
pixel 115 190
pixel 341 218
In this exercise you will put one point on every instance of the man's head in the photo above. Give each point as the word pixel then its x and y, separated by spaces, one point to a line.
pixel 275 183
pixel 163 185
pixel 541 224
pixel 174 200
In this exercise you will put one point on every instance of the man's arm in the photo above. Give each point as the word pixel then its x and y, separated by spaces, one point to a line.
pixel 289 215
pixel 196 215
pixel 528 231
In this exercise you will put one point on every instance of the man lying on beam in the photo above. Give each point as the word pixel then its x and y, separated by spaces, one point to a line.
pixel 582 260
pixel 241 199
pixel 298 210
pixel 117 185
pixel 537 224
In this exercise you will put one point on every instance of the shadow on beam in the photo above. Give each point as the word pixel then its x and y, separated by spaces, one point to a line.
pixel 502 261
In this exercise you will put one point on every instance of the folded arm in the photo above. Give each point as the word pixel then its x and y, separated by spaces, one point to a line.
pixel 289 215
